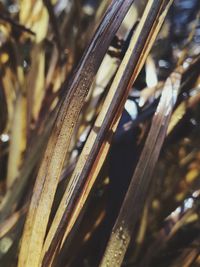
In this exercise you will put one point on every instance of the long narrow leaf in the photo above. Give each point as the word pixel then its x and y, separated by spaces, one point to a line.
pixel 87 167
pixel 58 144
pixel 135 198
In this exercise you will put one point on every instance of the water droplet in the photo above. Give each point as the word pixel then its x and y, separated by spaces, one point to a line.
pixel 4 137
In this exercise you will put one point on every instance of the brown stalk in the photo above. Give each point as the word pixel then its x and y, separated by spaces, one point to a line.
pixel 134 201
pixel 94 152
pixel 54 24
pixel 18 129
pixel 52 164
pixel 34 152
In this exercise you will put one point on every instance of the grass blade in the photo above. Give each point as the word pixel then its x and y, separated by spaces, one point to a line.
pixel 58 144
pixel 135 198
pixel 93 154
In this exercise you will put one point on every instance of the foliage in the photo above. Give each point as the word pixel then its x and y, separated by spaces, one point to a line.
pixel 99 133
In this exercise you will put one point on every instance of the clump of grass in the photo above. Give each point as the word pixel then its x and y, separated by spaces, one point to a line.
pixel 86 84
